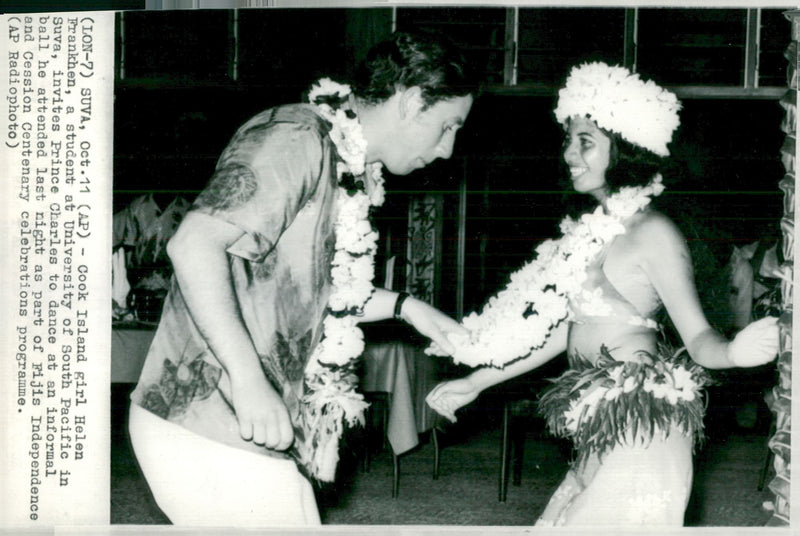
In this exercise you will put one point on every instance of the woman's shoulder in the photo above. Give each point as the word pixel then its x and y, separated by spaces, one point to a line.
pixel 653 229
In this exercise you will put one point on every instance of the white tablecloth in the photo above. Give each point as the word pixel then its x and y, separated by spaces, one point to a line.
pixel 405 372
pixel 128 349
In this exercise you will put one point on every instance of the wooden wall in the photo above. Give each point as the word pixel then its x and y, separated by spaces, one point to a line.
pixel 187 79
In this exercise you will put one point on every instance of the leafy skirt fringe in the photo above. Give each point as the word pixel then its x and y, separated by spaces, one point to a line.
pixel 634 425
pixel 610 402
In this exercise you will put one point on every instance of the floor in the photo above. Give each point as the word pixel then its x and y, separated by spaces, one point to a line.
pixel 725 493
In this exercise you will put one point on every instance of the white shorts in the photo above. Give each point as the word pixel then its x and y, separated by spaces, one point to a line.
pixel 199 482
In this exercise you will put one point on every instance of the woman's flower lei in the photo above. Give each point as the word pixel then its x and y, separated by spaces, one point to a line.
pixel 331 398
pixel 520 317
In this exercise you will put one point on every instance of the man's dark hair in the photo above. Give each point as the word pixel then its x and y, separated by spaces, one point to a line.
pixel 430 62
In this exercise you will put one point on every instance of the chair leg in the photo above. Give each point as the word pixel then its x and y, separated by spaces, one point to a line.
pixel 395 475
pixel 385 425
pixel 366 461
pixel 762 478
pixel 769 459
pixel 366 443
pixel 518 447
pixel 435 437
pixel 504 454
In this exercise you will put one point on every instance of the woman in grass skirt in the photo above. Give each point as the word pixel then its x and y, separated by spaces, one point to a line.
pixel 632 407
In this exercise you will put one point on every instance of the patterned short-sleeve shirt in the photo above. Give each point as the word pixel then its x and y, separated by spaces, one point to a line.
pixel 276 182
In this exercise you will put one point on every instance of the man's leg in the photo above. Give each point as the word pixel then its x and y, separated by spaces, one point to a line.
pixel 199 482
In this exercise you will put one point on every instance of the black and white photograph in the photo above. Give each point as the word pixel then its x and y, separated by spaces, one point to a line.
pixel 398 267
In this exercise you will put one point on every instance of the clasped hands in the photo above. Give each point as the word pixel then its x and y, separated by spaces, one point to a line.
pixel 446 397
pixel 432 323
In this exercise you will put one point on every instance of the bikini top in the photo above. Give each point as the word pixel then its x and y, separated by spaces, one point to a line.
pixel 600 302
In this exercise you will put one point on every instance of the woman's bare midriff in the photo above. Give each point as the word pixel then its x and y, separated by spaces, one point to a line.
pixel 623 341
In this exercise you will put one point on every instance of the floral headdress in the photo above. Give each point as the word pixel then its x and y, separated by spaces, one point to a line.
pixel 642 112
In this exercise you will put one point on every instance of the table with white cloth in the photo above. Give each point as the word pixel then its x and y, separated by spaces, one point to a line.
pixel 129 345
pixel 398 368
pixel 404 371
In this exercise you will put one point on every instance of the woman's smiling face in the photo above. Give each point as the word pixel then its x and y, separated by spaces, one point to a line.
pixel 587 153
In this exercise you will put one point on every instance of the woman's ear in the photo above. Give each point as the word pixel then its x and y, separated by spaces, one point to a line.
pixel 411 102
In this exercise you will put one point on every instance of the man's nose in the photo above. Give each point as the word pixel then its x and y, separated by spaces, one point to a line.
pixel 445 148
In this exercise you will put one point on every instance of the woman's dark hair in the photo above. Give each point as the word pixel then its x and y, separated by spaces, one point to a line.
pixel 420 59
pixel 629 164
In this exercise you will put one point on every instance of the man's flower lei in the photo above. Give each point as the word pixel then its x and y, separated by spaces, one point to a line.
pixel 520 317
pixel 331 398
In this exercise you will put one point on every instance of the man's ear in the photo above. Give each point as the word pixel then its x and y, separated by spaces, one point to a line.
pixel 411 102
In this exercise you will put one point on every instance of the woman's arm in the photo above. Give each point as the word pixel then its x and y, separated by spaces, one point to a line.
pixel 448 397
pixel 555 344
pixel 665 259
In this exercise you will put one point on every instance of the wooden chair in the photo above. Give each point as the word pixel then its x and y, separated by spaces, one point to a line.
pixel 519 414
pixel 377 418
pixel 517 417
pixel 516 401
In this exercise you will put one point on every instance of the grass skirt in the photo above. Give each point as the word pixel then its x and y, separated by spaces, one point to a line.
pixel 633 424
pixel 614 402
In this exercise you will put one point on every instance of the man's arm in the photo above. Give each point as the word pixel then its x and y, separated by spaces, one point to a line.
pixel 198 254
pixel 426 319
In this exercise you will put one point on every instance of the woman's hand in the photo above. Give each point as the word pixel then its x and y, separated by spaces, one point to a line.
pixel 261 412
pixel 756 344
pixel 432 323
pixel 448 397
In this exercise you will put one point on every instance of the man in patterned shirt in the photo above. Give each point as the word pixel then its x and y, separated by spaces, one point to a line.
pixel 215 412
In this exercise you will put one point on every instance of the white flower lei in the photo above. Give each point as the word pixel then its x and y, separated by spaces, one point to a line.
pixel 352 268
pixel 519 318
pixel 331 398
